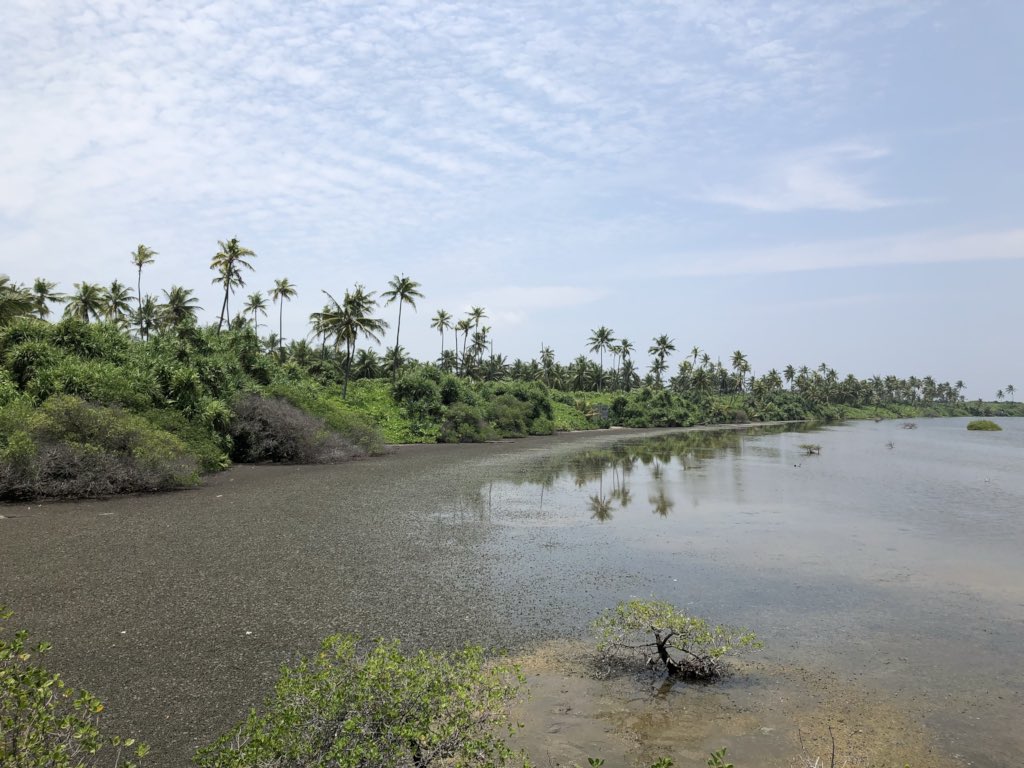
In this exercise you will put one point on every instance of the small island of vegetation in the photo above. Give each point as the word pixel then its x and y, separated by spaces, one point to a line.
pixel 984 425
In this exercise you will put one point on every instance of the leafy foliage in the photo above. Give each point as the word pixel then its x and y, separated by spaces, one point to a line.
pixel 984 425
pixel 346 707
pixel 622 632
pixel 70 448
pixel 45 723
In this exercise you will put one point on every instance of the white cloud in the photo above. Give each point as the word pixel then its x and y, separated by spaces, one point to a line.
pixel 918 248
pixel 818 178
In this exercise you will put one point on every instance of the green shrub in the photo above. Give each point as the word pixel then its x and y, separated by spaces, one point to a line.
pixel 85 450
pixel 984 425
pixel 27 359
pixel 381 707
pixel 419 393
pixel 622 633
pixel 46 724
pixel 465 424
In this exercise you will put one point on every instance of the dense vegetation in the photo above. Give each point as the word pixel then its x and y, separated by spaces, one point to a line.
pixel 127 392
pixel 352 704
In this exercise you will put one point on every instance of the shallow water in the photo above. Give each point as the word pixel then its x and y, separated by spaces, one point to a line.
pixel 893 576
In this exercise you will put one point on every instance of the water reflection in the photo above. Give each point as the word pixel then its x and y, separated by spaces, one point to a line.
pixel 615 476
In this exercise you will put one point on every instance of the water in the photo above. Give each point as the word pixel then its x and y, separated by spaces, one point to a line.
pixel 894 560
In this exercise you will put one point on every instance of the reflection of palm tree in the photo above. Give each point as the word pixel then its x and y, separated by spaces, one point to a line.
pixel 662 503
pixel 600 508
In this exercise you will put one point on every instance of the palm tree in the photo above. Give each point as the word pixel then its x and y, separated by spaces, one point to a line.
pixel 146 317
pixel 740 366
pixel 140 258
pixel 283 291
pixel 662 347
pixel 87 302
pixel 999 395
pixel 1010 389
pixel 475 315
pixel 42 294
pixel 463 326
pixel 179 305
pixel 350 319
pixel 442 321
pixel 258 306
pixel 404 290
pixel 599 341
pixel 15 300
pixel 117 302
pixel 547 362
pixel 229 262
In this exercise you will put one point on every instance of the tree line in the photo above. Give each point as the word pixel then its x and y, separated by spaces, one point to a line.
pixel 466 343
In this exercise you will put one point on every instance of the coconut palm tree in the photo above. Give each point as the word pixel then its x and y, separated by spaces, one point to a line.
pixel 600 340
pixel 179 305
pixel 404 290
pixel 229 262
pixel 441 322
pixel 463 326
pixel 88 302
pixel 283 290
pixel 1010 390
pixel 258 306
pixel 142 256
pixel 662 347
pixel 42 294
pixel 740 366
pixel 348 320
pixel 117 300
pixel 147 317
pixel 15 300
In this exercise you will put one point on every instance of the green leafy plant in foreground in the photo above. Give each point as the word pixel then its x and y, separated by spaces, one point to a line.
pixel 349 707
pixel 43 722
pixel 699 646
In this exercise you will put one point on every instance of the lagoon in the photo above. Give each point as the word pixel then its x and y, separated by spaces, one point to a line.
pixel 886 576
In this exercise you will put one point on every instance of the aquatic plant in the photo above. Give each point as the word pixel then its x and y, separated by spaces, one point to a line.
pixel 811 449
pixel 984 425
pixel 700 646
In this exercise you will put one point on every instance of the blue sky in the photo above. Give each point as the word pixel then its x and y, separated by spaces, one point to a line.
pixel 808 182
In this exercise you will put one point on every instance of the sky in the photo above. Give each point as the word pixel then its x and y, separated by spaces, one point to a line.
pixel 807 182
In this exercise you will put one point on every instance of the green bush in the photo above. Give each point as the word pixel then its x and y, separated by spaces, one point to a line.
pixel 347 708
pixel 68 448
pixel 628 630
pixel 46 724
pixel 984 425
pixel 465 424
